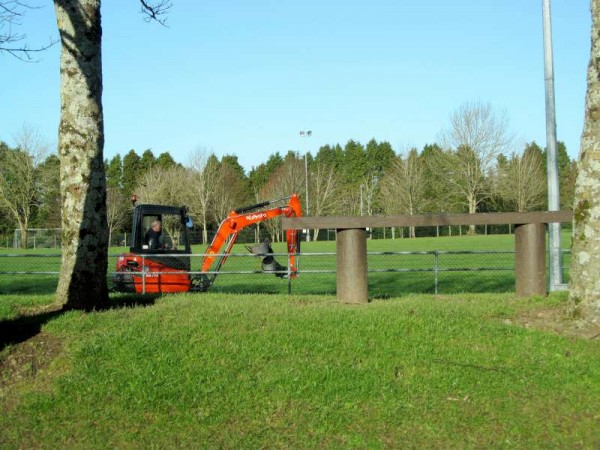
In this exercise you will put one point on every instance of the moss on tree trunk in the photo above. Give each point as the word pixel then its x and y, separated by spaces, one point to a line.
pixel 584 297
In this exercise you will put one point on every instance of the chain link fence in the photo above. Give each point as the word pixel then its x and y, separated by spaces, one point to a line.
pixel 41 238
pixel 390 274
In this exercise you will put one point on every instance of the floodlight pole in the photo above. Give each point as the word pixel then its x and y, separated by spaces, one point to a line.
pixel 306 134
pixel 555 278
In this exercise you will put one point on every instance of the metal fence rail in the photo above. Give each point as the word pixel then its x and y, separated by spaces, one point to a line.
pixel 389 273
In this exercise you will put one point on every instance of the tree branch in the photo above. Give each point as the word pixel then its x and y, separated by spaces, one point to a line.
pixel 11 11
pixel 156 11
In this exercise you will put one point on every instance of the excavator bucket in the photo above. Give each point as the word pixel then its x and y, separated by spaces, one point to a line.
pixel 269 264
pixel 262 249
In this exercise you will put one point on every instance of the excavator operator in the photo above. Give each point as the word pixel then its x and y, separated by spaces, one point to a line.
pixel 153 235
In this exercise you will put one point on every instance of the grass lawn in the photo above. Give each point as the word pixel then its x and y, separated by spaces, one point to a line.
pixel 272 371
pixel 499 278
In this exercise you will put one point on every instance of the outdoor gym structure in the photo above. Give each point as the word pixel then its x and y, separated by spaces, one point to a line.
pixel 351 244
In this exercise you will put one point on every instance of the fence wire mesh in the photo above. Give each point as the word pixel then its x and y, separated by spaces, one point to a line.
pixel 390 274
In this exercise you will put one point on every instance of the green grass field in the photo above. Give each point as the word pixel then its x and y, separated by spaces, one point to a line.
pixel 226 370
pixel 271 371
pixel 417 270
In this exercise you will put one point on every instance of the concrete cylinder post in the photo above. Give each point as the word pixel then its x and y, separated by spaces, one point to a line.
pixel 352 265
pixel 530 259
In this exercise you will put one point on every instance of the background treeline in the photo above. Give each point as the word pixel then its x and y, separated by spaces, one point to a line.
pixel 349 179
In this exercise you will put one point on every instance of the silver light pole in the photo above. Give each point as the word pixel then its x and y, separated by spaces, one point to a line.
pixel 552 160
pixel 306 134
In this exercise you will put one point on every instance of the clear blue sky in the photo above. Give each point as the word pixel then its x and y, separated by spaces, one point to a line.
pixel 244 77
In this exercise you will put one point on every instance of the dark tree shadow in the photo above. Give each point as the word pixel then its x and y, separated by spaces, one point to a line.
pixel 24 327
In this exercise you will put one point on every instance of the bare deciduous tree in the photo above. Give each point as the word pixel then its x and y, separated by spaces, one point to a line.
pixel 117 207
pixel 165 186
pixel 229 192
pixel 403 188
pixel 204 182
pixel 584 288
pixel 323 187
pixel 368 188
pixel 475 138
pixel 20 184
pixel 11 41
pixel 285 180
pixel 521 183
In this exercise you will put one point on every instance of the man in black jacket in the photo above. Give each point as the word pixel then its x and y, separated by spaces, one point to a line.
pixel 152 238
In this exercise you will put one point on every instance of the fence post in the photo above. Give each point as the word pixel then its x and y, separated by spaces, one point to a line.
pixel 436 263
pixel 289 272
pixel 352 265
pixel 530 259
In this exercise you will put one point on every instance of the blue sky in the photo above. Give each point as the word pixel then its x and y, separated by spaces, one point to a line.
pixel 244 77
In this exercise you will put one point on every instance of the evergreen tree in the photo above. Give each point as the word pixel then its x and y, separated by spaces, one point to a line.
pixel 567 172
pixel 379 158
pixel 114 172
pixel 234 164
pixel 147 161
pixel 166 161
pixel 354 166
pixel 131 172
pixel 235 181
pixel 259 176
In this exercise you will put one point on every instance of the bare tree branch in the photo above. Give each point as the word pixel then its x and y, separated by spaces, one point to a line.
pixel 156 11
pixel 11 12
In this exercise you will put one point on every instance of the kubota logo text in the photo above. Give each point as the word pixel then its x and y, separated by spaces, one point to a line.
pixel 256 216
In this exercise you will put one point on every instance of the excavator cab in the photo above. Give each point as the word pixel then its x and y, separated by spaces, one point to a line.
pixel 158 264
pixel 174 237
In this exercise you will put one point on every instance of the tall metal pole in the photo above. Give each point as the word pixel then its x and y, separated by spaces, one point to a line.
pixel 552 160
pixel 306 134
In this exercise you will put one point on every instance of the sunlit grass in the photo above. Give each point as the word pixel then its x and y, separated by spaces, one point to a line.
pixel 417 270
pixel 265 371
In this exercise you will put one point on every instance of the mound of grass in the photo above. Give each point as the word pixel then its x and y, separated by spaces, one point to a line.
pixel 305 371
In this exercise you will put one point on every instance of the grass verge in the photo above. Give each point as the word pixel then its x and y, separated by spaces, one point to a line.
pixel 261 371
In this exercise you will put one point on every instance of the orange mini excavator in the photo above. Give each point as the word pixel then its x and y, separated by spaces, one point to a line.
pixel 166 267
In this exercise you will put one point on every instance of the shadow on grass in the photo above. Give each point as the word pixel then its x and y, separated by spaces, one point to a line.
pixel 28 284
pixel 26 326
pixel 22 328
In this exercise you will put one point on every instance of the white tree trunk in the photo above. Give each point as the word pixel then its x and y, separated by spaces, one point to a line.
pixel 82 282
pixel 584 295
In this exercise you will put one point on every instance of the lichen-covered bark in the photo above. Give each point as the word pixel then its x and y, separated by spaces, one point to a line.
pixel 82 283
pixel 584 289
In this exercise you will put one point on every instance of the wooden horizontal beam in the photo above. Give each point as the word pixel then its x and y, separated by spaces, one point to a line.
pixel 426 220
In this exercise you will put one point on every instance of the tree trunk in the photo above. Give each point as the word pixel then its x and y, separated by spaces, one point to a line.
pixel 82 283
pixel 584 289
pixel 24 234
pixel 472 210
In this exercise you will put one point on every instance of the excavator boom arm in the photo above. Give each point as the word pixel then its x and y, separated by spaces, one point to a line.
pixel 241 218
